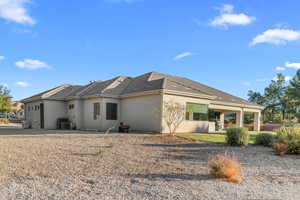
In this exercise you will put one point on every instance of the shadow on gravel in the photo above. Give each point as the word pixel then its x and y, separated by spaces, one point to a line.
pixel 189 151
pixel 185 145
pixel 171 177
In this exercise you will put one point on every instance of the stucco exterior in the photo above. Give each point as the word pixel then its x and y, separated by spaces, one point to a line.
pixel 186 126
pixel 32 115
pixel 138 102
pixel 142 113
pixel 52 111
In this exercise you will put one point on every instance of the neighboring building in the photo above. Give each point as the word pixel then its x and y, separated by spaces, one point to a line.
pixel 16 106
pixel 135 101
pixel 20 115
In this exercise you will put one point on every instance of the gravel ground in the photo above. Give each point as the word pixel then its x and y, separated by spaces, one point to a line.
pixel 136 166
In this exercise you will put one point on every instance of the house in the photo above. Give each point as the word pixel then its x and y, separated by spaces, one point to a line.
pixel 16 106
pixel 101 105
pixel 17 109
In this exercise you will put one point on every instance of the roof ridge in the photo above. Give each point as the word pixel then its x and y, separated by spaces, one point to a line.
pixel 182 84
pixel 165 79
pixel 113 81
pixel 88 86
pixel 55 90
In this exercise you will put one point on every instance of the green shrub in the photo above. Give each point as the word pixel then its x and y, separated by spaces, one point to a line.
pixel 4 121
pixel 265 139
pixel 237 136
pixel 99 151
pixel 289 136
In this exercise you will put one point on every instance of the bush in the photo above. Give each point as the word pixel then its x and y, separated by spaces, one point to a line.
pixel 237 136
pixel 4 121
pixel 265 139
pixel 280 148
pixel 224 166
pixel 99 151
pixel 289 136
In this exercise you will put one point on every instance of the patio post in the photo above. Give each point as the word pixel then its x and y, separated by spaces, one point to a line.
pixel 240 118
pixel 222 120
pixel 257 117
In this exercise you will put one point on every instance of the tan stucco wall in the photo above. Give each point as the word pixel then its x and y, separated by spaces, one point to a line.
pixel 186 126
pixel 33 116
pixel 142 113
pixel 88 114
pixel 75 115
pixel 54 110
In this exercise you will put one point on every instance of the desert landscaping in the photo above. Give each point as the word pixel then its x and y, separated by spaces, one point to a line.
pixel 37 164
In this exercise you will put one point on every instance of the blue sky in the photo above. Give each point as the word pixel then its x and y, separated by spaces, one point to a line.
pixel 230 45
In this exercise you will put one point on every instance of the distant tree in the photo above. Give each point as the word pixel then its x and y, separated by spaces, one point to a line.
pixel 293 89
pixel 275 95
pixel 275 99
pixel 173 114
pixel 256 97
pixel 293 92
pixel 4 99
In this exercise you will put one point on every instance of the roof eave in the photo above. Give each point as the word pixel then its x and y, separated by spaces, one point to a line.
pixel 237 105
pixel 203 96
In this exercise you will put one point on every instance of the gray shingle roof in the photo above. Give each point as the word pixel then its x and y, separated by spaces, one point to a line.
pixel 123 85
pixel 143 83
pixel 186 85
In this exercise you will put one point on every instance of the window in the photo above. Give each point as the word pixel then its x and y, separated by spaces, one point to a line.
pixel 71 106
pixel 111 111
pixel 196 112
pixel 96 111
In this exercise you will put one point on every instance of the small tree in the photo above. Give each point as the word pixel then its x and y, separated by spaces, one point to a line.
pixel 4 99
pixel 173 114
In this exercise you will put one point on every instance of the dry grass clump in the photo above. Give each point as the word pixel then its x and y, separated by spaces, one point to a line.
pixel 225 167
pixel 99 151
pixel 4 121
pixel 280 148
pixel 289 136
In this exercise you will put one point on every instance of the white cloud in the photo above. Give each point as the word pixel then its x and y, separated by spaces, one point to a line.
pixel 292 65
pixel 276 36
pixel 228 18
pixel 279 68
pixel 31 64
pixel 22 84
pixel 182 55
pixel 288 78
pixel 2 58
pixel 246 83
pixel 15 11
pixel 227 8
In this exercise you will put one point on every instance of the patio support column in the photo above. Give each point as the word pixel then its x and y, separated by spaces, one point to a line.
pixel 257 117
pixel 240 118
pixel 222 120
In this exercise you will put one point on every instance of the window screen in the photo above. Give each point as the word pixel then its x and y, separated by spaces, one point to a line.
pixel 196 112
pixel 96 111
pixel 111 111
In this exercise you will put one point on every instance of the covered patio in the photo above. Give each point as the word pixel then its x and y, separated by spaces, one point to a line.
pixel 238 113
